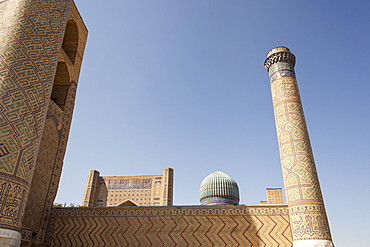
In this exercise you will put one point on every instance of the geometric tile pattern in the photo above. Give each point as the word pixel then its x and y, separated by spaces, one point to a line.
pixel 274 196
pixel 48 168
pixel 171 226
pixel 31 34
pixel 43 170
pixel 55 133
pixel 307 213
pixel 53 143
pixel 66 118
pixel 142 197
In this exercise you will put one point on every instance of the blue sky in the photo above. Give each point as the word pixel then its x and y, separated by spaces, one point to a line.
pixel 181 84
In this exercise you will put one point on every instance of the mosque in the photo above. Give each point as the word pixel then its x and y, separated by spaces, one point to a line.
pixel 218 188
pixel 41 51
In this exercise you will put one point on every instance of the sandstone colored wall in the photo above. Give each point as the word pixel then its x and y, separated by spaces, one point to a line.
pixel 170 226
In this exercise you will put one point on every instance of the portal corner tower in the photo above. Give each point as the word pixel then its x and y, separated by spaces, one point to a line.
pixel 308 220
pixel 41 50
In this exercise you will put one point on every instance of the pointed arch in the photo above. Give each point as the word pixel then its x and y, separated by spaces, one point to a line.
pixel 61 85
pixel 127 203
pixel 70 40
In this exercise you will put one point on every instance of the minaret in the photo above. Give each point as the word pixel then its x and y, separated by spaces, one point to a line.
pixel 308 219
pixel 91 189
pixel 167 187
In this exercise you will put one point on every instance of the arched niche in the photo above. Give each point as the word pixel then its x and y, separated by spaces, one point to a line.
pixel 61 85
pixel 70 40
pixel 127 203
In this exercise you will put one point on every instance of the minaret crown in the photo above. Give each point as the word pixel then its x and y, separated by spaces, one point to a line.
pixel 279 54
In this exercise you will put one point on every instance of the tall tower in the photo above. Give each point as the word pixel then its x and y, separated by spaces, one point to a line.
pixel 41 50
pixel 167 198
pixel 91 190
pixel 308 218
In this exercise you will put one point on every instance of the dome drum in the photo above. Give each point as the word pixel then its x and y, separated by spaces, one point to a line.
pixel 219 201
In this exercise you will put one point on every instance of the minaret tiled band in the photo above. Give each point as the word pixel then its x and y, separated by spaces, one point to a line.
pixel 308 218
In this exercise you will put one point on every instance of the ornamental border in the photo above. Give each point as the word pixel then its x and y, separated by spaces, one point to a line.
pixel 279 57
pixel 172 211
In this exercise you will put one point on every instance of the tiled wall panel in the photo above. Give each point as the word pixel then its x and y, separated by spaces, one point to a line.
pixel 171 226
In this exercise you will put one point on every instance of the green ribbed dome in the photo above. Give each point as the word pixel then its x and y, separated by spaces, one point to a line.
pixel 218 188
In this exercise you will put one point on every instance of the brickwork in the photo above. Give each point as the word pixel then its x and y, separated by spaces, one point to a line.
pixel 91 190
pixel 48 149
pixel 55 133
pixel 307 212
pixel 171 226
pixel 31 37
pixel 167 196
pixel 274 196
pixel 41 49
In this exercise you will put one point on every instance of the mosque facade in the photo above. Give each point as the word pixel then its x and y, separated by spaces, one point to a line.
pixel 142 190
pixel 41 52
